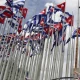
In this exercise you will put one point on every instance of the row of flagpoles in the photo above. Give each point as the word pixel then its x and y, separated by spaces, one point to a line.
pixel 37 50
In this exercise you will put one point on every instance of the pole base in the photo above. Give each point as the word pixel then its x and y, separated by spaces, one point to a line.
pixel 76 72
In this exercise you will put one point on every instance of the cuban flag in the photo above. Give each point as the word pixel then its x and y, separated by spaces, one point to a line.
pixel 23 11
pixel 58 39
pixel 13 23
pixel 43 11
pixel 50 10
pixel 69 19
pixel 9 3
pixel 8 13
pixel 74 34
pixel 56 9
pixel 58 26
pixel 62 6
pixel 2 19
pixel 2 7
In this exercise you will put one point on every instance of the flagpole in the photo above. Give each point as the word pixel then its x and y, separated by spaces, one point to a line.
pixel 9 57
pixel 0 44
pixel 62 53
pixel 71 52
pixel 76 55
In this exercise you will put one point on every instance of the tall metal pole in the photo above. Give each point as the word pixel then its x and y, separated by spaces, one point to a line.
pixel 76 55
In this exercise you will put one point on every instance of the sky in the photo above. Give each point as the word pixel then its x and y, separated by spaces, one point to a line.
pixel 35 6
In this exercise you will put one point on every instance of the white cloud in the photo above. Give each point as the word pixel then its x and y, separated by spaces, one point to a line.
pixel 2 2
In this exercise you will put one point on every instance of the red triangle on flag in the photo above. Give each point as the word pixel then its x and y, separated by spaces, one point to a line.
pixel 2 19
pixel 62 6
pixel 19 29
pixel 24 11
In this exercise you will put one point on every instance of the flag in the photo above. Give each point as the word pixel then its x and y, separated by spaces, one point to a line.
pixel 39 19
pixel 50 10
pixel 9 3
pixel 60 37
pixel 48 30
pixel 29 26
pixel 35 36
pixel 2 7
pixel 74 35
pixel 56 9
pixel 38 29
pixel 8 13
pixel 2 19
pixel 43 11
pixel 19 2
pixel 42 19
pixel 15 4
pixel 13 23
pixel 23 11
pixel 69 19
pixel 20 20
pixel 35 20
pixel 62 6
pixel 58 26
pixel 19 29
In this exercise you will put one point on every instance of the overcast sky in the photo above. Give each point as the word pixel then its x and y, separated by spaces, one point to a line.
pixel 35 6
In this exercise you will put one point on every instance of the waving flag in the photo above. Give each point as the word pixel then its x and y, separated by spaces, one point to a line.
pixel 16 4
pixel 19 28
pixel 19 2
pixel 42 19
pixel 50 10
pixel 48 30
pixel 2 19
pixel 74 34
pixel 62 6
pixel 56 9
pixel 38 19
pixel 23 11
pixel 58 41
pixel 43 11
pixel 2 7
pixel 20 20
pixel 13 23
pixel 69 18
pixel 9 3
pixel 60 37
pixel 58 26
pixel 17 18
pixel 8 13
